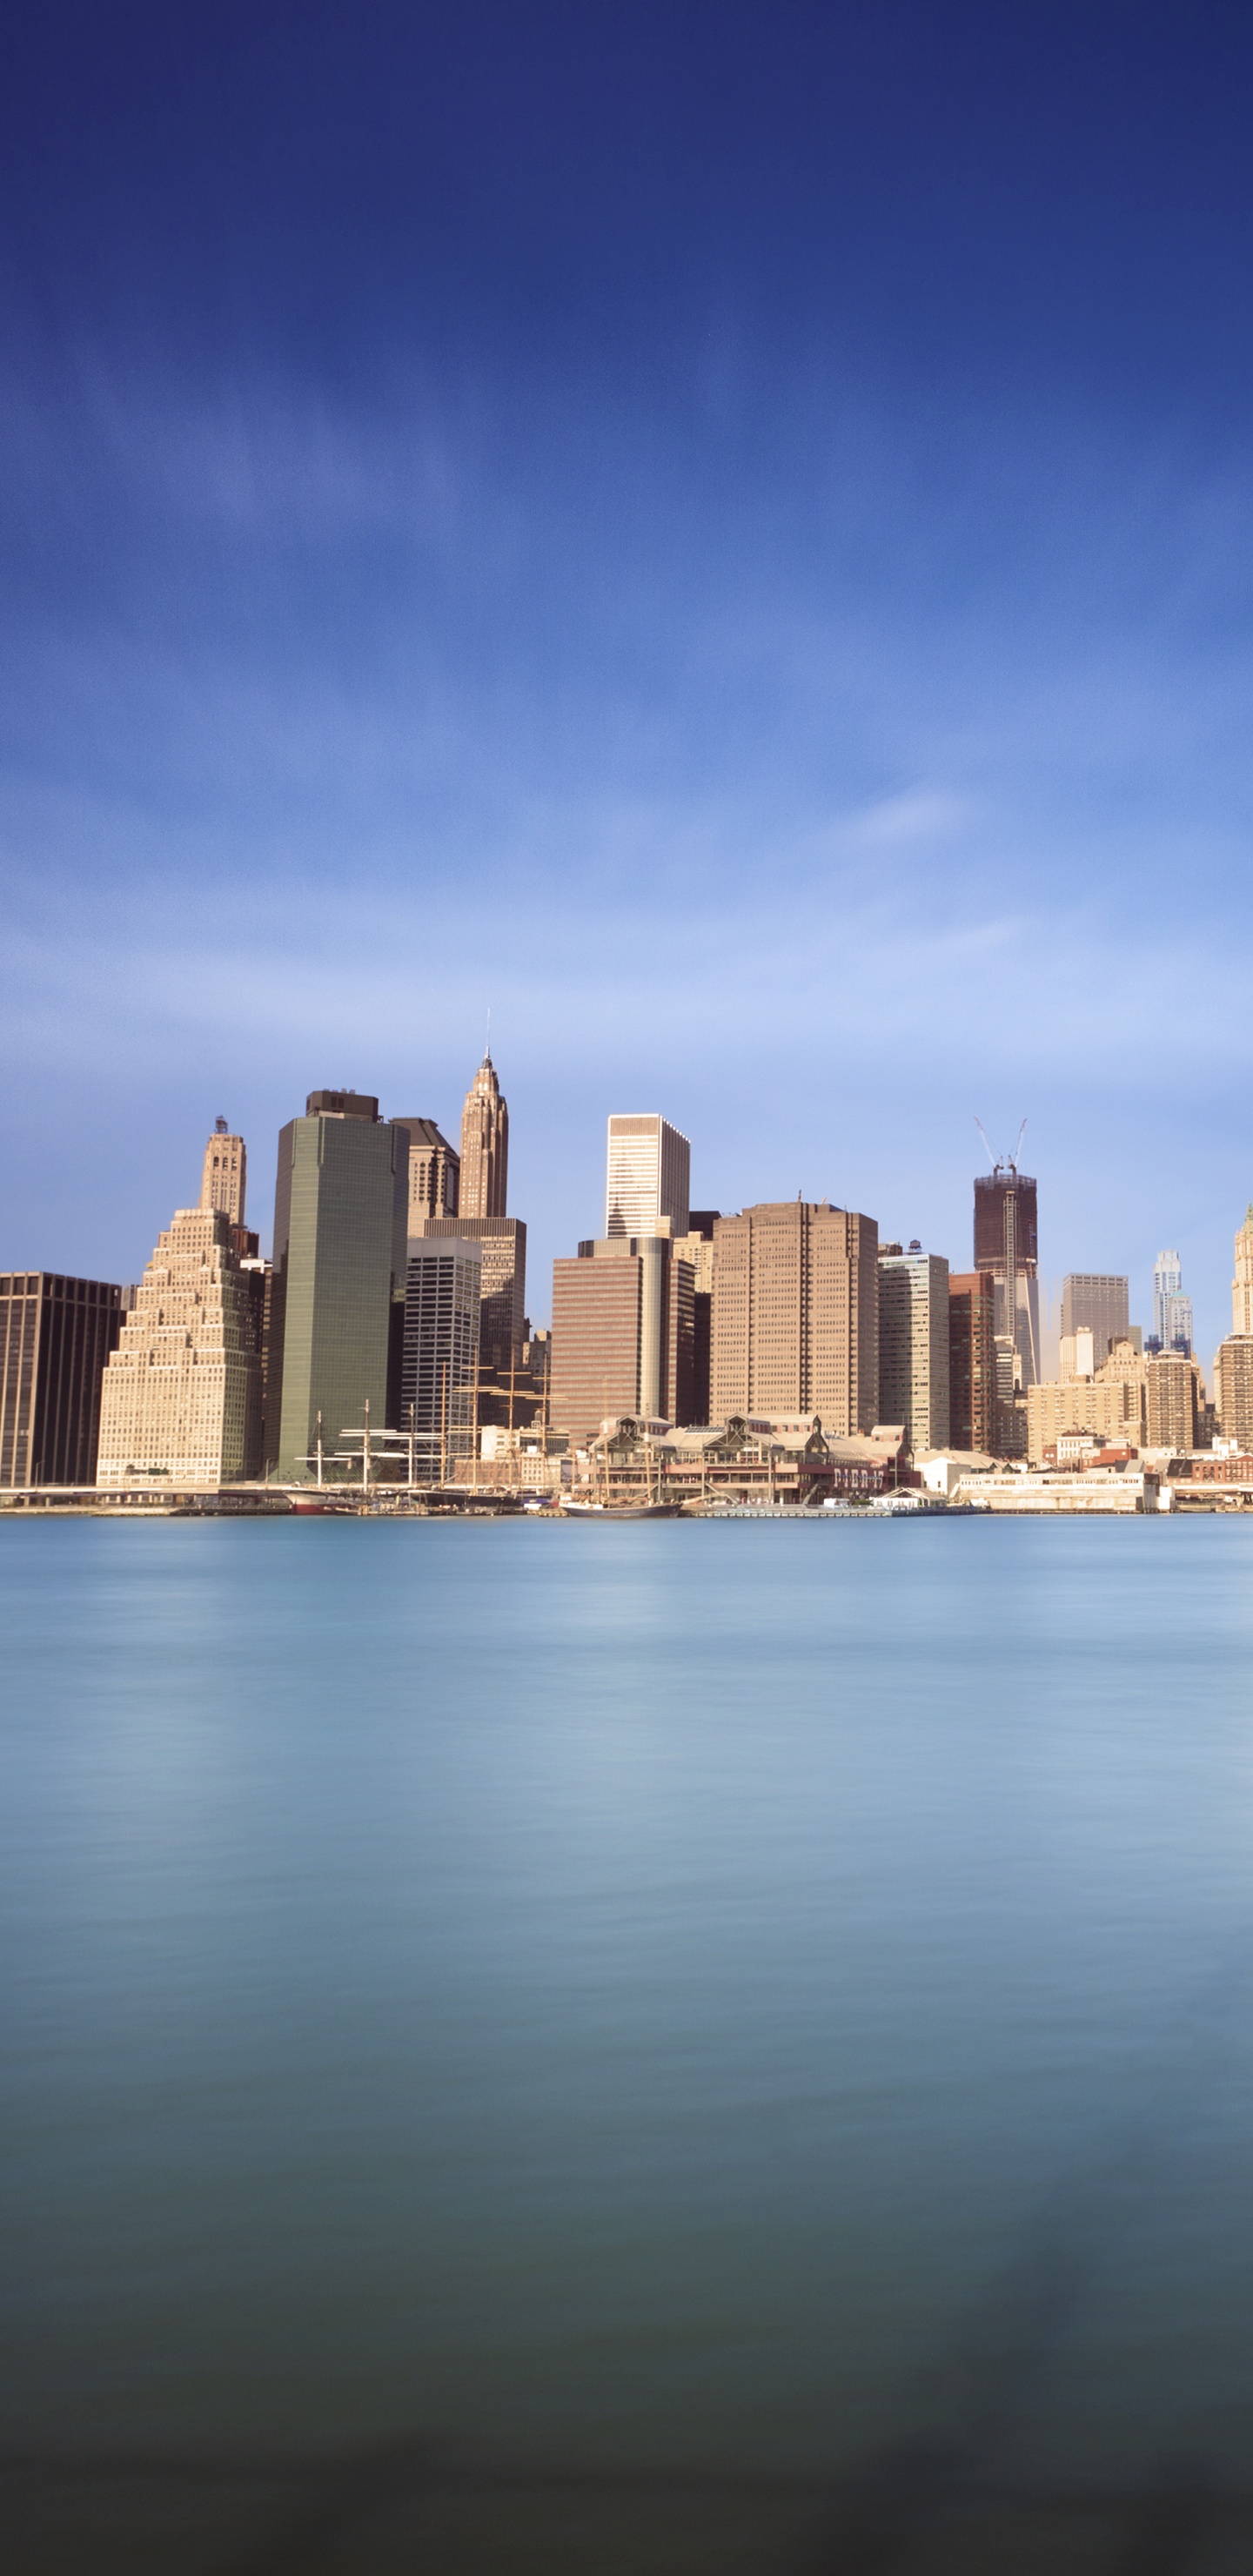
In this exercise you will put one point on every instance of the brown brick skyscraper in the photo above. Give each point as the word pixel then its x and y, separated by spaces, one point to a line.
pixel 795 1325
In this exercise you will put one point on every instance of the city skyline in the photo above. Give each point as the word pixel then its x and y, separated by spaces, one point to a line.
pixel 628 584
pixel 1204 1295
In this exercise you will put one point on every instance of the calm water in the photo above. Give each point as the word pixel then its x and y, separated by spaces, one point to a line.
pixel 648 2048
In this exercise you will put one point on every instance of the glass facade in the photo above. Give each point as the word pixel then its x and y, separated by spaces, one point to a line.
pixel 339 1263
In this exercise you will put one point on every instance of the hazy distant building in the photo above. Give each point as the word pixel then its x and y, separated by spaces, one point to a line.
pixel 1233 1389
pixel 1242 1284
pixel 434 1173
pixel 224 1182
pixel 56 1336
pixel 1096 1301
pixel 337 1294
pixel 1172 1310
pixel 796 1315
pixel 442 1290
pixel 1007 1243
pixel 1112 1404
pixel 647 1178
pixel 621 1334
pixel 484 1178
pixel 971 1361
pixel 914 1346
pixel 181 1396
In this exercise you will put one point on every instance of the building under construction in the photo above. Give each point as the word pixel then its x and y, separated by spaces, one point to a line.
pixel 1007 1245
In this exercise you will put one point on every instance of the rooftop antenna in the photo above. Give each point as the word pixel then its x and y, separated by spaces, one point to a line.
pixel 487 1051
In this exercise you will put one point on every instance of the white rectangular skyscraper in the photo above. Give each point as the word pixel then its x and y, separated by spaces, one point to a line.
pixel 648 1178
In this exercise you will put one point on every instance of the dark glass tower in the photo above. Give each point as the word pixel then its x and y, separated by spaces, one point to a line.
pixel 339 1275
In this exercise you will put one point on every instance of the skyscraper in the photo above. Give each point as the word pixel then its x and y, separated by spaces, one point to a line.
pixel 1172 1310
pixel 914 1346
pixel 1233 1389
pixel 441 1339
pixel 484 1146
pixel 697 1246
pixel 795 1324
pixel 1006 1243
pixel 336 1311
pixel 1242 1284
pixel 1096 1301
pixel 181 1396
pixel 502 1311
pixel 56 1336
pixel 972 1361
pixel 434 1173
pixel 648 1177
pixel 225 1180
pixel 622 1334
pixel 1172 1391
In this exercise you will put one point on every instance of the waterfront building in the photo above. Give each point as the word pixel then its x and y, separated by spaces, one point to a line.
pixel 1096 1302
pixel 181 1395
pixel 914 1346
pixel 1095 1489
pixel 972 1361
pixel 337 1295
pixel 621 1334
pixel 795 1324
pixel 1242 1284
pixel 56 1336
pixel 441 1341
pixel 647 1177
pixel 224 1181
pixel 434 1173
pixel 1006 1242
pixel 1233 1389
pixel 484 1176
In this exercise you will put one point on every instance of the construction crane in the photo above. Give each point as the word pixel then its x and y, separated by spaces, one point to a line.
pixel 1003 1162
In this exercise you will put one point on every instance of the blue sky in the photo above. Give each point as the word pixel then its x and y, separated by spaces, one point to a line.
pixel 723 535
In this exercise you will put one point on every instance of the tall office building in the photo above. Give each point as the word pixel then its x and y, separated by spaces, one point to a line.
pixel 1096 1301
pixel 502 1312
pixel 622 1334
pixel 181 1396
pixel 56 1336
pixel 1242 1284
pixel 484 1146
pixel 914 1347
pixel 972 1361
pixel 1172 1309
pixel 1172 1401
pixel 434 1173
pixel 648 1177
pixel 337 1295
pixel 795 1325
pixel 225 1180
pixel 1233 1389
pixel 1007 1244
pixel 442 1290
pixel 697 1246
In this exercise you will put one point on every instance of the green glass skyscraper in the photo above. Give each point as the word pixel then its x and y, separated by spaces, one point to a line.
pixel 339 1270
